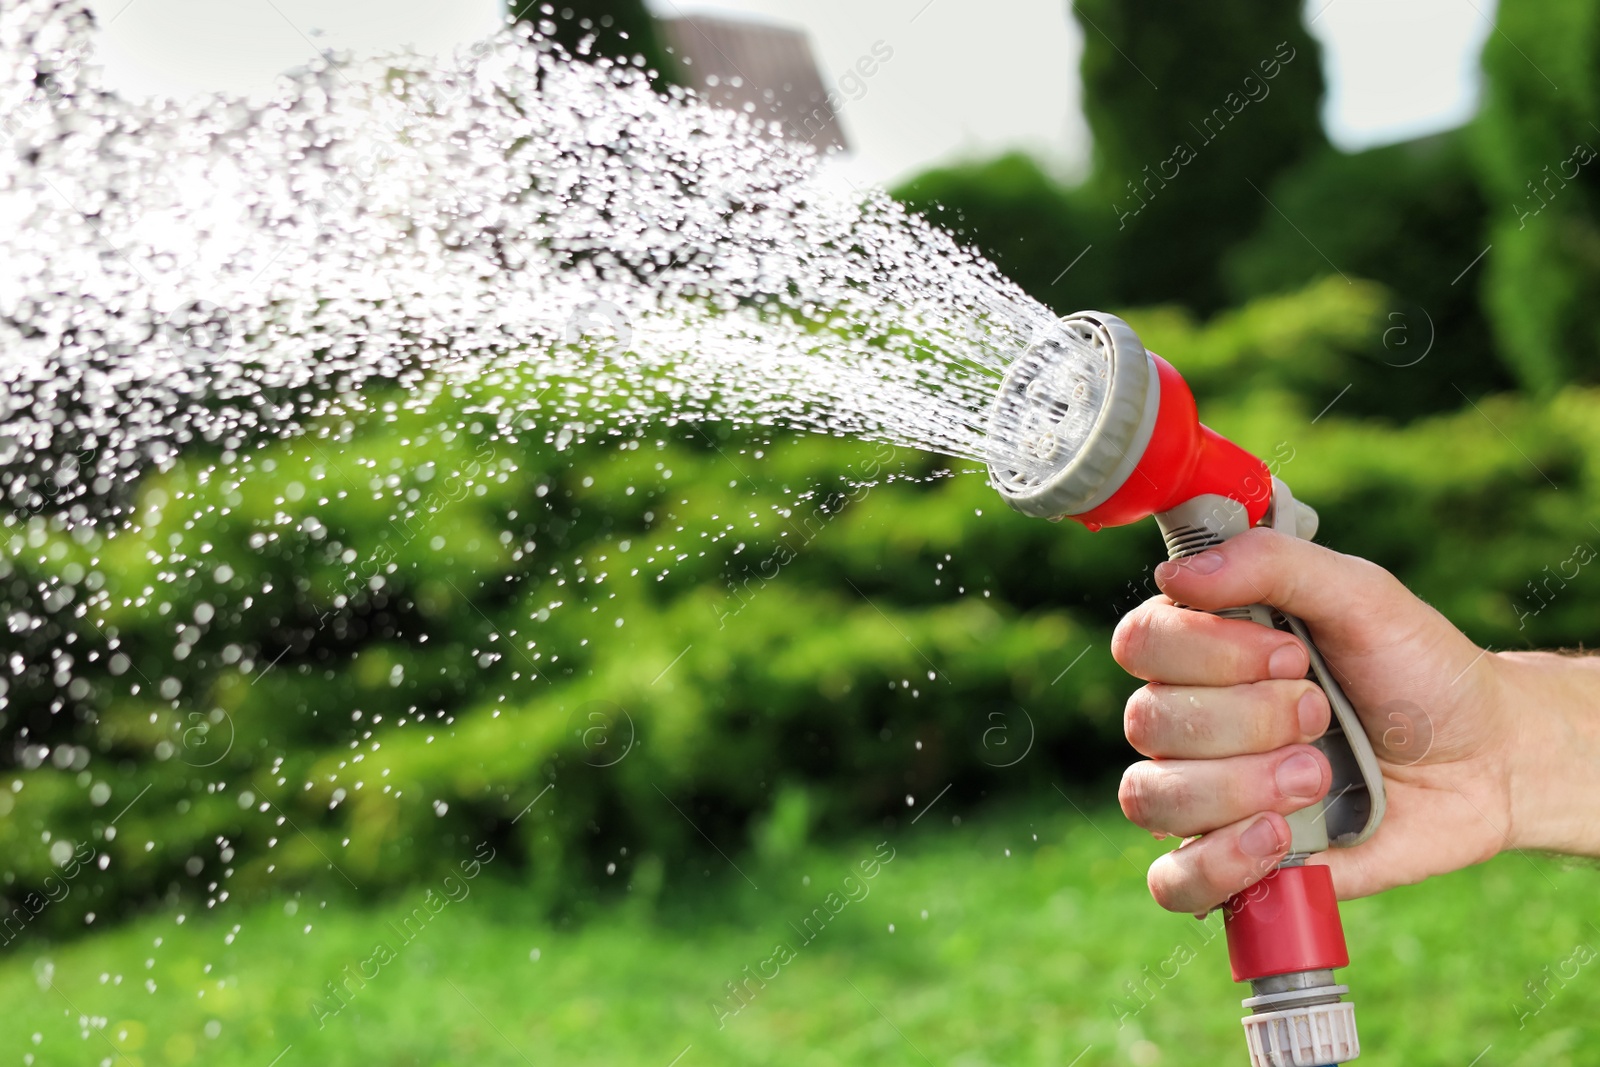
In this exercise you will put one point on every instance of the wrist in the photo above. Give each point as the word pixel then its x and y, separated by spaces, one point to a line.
pixel 1553 704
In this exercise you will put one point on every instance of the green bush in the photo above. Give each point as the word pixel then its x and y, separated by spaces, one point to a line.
pixel 1411 217
pixel 1536 150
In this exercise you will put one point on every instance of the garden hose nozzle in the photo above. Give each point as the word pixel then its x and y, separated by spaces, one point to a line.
pixel 1090 426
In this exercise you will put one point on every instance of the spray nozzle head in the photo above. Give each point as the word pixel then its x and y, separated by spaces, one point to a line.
pixel 1072 418
pixel 1089 425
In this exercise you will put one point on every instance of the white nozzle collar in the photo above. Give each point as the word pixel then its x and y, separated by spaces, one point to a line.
pixel 1073 417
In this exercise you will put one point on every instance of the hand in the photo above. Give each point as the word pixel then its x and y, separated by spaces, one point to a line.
pixel 1228 714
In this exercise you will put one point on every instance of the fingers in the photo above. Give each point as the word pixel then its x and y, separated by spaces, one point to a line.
pixel 1200 722
pixel 1210 869
pixel 1159 641
pixel 1343 599
pixel 1196 796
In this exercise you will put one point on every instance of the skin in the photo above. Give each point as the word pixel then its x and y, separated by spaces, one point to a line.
pixel 1481 751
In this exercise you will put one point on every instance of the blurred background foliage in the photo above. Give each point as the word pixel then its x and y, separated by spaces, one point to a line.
pixel 603 657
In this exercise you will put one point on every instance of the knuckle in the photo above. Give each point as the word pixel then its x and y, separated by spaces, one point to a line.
pixel 1248 706
pixel 1246 654
pixel 1164 887
pixel 1131 637
pixel 1141 719
pixel 1133 794
pixel 1273 712
pixel 1133 642
pixel 1366 570
pixel 1270 549
pixel 1260 540
pixel 1369 575
pixel 1225 872
pixel 1149 797
pixel 1254 730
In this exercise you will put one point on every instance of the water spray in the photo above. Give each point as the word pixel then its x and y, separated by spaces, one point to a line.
pixel 1090 426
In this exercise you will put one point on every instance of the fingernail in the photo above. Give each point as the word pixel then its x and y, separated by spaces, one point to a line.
pixel 1204 563
pixel 1289 661
pixel 1261 839
pixel 1300 776
pixel 1312 710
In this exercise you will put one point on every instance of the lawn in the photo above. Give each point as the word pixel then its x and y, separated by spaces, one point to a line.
pixel 1016 936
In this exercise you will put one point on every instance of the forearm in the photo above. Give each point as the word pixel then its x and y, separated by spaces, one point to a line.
pixel 1555 763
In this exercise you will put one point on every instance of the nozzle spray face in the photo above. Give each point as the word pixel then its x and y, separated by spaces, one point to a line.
pixel 1073 416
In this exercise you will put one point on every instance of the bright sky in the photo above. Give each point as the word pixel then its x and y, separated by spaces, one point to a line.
pixel 953 88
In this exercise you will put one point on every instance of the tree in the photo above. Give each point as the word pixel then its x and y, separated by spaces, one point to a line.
pixel 1026 223
pixel 1536 154
pixel 1195 110
pixel 1412 217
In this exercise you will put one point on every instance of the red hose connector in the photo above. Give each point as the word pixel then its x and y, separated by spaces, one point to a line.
pixel 1287 922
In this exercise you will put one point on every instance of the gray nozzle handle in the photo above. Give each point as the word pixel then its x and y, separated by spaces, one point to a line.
pixel 1354 806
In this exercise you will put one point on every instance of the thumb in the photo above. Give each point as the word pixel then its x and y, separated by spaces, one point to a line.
pixel 1350 604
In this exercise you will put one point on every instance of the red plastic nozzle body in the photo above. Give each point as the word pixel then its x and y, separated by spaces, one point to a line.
pixel 1183 460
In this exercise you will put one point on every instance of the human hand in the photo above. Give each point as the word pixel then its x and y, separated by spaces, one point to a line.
pixel 1228 716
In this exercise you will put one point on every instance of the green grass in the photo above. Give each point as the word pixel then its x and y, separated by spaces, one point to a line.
pixel 994 958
